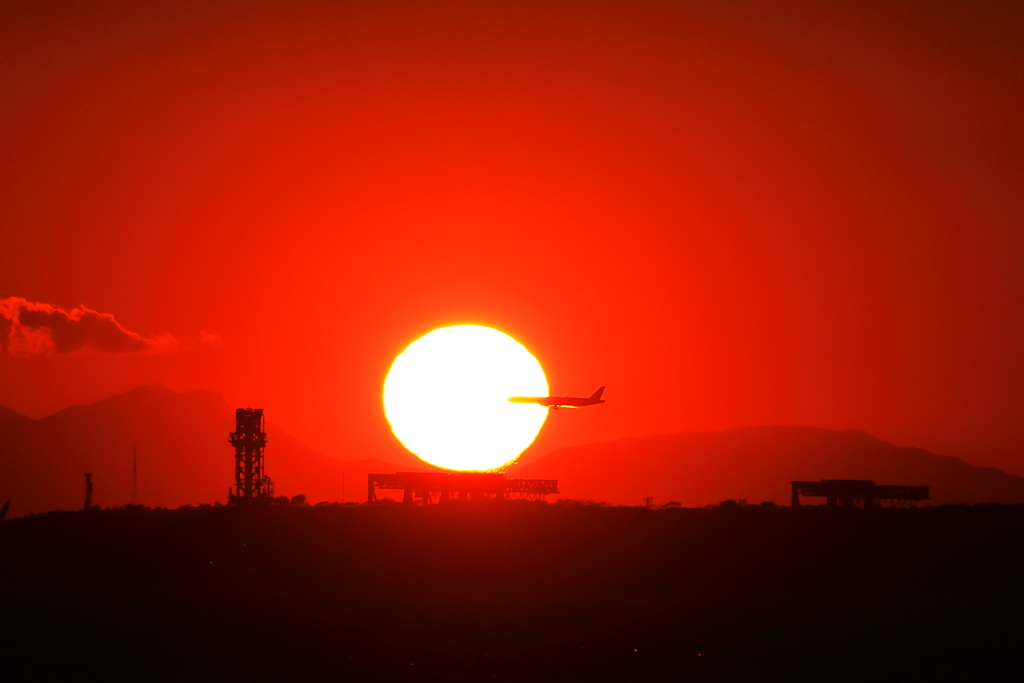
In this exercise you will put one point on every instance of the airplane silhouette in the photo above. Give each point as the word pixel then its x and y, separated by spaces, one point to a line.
pixel 556 402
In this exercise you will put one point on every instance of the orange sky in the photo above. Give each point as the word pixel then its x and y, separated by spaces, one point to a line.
pixel 728 213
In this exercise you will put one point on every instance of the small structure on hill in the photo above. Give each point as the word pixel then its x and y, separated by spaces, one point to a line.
pixel 442 487
pixel 857 492
pixel 249 440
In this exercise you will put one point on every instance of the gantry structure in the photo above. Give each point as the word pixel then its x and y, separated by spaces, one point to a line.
pixel 427 488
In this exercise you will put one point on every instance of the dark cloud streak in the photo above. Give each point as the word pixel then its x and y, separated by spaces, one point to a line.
pixel 32 328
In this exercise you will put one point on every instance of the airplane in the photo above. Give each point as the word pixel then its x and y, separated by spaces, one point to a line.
pixel 556 402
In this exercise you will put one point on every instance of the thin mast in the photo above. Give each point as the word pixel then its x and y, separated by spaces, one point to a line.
pixel 135 474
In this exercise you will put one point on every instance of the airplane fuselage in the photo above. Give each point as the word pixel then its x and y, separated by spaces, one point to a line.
pixel 556 402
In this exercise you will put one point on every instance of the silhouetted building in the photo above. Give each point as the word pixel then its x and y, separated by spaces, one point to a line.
pixel 249 440
pixel 441 487
pixel 852 492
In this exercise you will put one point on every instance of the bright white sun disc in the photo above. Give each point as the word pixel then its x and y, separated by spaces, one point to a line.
pixel 446 398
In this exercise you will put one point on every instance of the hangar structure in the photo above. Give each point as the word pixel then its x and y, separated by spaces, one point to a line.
pixel 857 492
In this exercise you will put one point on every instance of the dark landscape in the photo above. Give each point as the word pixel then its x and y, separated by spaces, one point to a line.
pixel 514 591
pixel 568 589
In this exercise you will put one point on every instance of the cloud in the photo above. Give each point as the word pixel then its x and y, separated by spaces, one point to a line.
pixel 30 329
pixel 210 339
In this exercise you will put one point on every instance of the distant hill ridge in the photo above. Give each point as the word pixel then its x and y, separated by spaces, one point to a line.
pixel 758 464
pixel 184 457
pixel 9 416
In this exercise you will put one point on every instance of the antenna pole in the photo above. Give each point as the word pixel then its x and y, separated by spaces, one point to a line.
pixel 135 474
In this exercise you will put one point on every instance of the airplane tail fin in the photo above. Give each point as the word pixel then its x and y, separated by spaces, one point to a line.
pixel 597 394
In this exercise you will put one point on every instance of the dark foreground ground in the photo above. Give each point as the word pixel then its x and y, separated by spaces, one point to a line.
pixel 513 591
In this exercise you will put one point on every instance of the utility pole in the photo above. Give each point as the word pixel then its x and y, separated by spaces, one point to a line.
pixel 135 474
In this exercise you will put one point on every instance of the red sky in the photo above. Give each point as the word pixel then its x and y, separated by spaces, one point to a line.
pixel 729 213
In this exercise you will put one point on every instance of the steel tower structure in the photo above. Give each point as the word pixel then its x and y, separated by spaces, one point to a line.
pixel 249 440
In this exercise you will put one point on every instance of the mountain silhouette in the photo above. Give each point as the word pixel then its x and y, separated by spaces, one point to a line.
pixel 183 455
pixel 184 458
pixel 758 464
pixel 8 416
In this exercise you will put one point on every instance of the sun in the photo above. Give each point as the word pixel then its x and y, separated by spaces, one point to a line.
pixel 446 398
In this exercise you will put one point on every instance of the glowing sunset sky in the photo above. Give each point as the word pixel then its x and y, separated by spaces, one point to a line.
pixel 728 213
